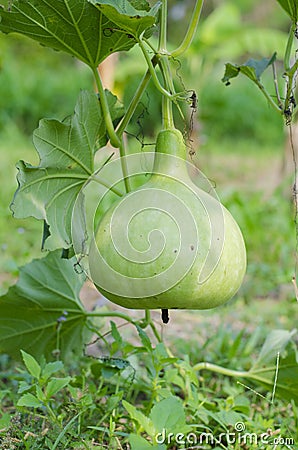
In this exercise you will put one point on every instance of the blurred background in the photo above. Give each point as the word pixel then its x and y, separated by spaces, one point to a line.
pixel 238 141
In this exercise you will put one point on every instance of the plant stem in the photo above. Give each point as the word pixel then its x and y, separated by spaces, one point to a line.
pixel 155 79
pixel 147 316
pixel 275 81
pixel 268 97
pixel 192 28
pixel 135 100
pixel 167 106
pixel 114 139
pixel 149 322
pixel 111 314
pixel 290 74
pixel 167 110
pixel 155 332
pixel 219 369
pixel 162 46
pixel 106 184
pixel 124 167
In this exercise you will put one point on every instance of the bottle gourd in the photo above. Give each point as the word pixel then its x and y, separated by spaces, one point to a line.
pixel 168 244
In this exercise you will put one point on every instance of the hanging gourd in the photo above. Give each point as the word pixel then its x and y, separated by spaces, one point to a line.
pixel 168 244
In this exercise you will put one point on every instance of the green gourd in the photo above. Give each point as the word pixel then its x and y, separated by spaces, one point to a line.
pixel 168 244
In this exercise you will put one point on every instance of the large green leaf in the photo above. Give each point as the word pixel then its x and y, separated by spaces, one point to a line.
pixel 74 26
pixel 66 150
pixel 42 311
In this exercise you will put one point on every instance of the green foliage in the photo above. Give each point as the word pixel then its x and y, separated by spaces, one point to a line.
pixel 277 365
pixel 253 69
pixel 42 312
pixel 132 19
pixel 269 238
pixel 236 114
pixel 66 150
pixel 78 403
pixel 76 27
pixel 49 83
pixel 291 7
pixel 142 389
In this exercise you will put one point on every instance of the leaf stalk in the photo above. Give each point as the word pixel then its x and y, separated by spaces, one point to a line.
pixel 191 31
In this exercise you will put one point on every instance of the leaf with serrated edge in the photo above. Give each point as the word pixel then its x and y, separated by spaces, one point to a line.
pixel 31 365
pixel 29 401
pixel 45 301
pixel 73 26
pixel 66 150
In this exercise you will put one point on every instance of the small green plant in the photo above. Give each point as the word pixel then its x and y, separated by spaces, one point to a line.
pixel 154 401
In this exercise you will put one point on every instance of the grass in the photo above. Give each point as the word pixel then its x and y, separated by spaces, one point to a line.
pixel 91 409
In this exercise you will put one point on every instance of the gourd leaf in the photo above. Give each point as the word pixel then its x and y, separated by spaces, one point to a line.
pixel 127 15
pixel 277 365
pixel 66 150
pixel 253 69
pixel 290 7
pixel 42 311
pixel 74 26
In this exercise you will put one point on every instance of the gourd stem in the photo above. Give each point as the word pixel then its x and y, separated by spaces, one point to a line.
pixel 162 45
pixel 124 167
pixel 147 316
pixel 192 28
pixel 167 110
pixel 167 105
